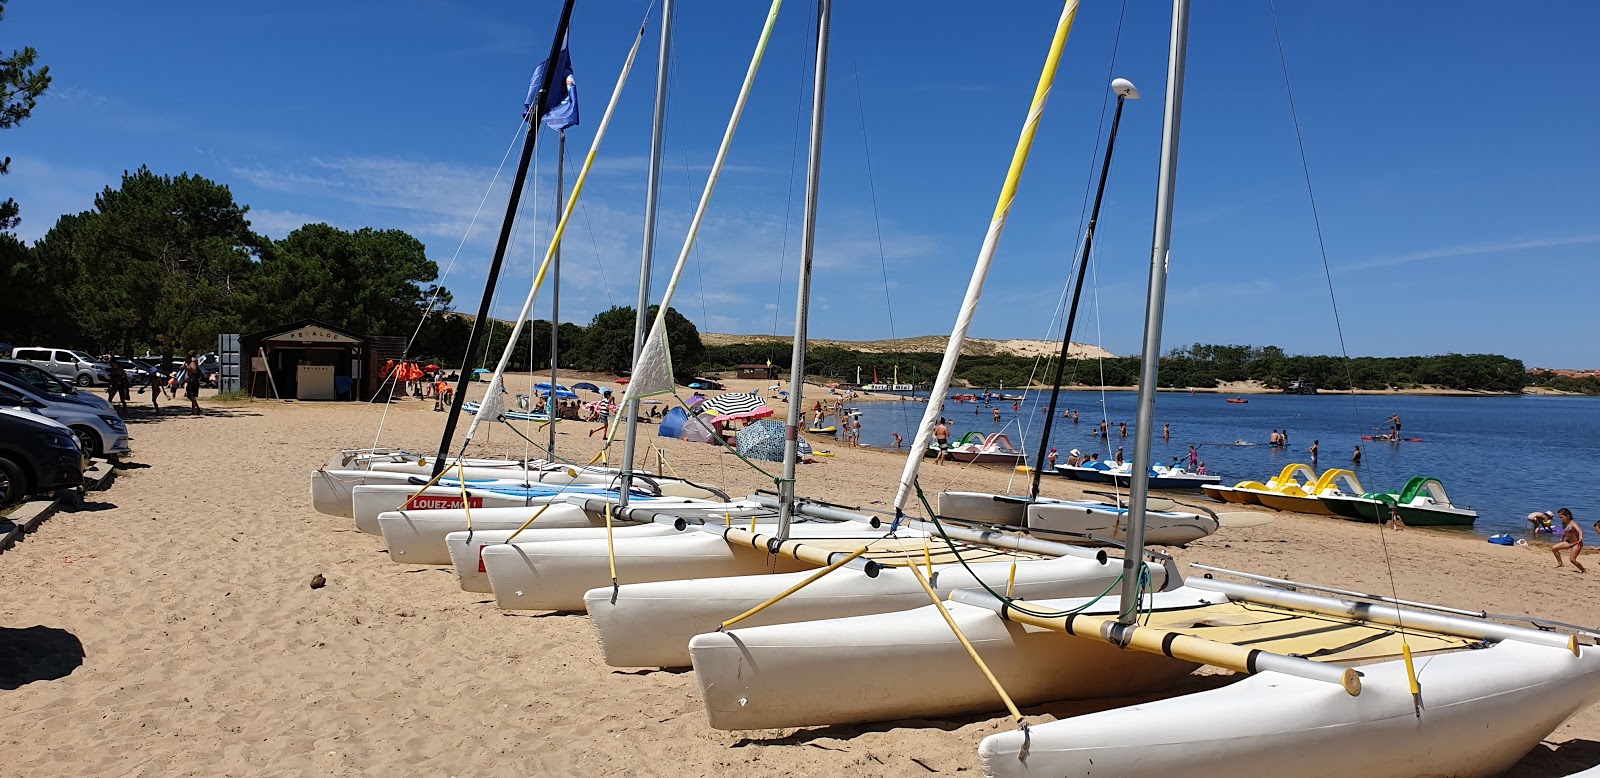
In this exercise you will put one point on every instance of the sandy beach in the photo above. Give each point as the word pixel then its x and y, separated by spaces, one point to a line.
pixel 167 628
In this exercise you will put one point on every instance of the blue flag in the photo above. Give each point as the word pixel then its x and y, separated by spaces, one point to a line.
pixel 561 106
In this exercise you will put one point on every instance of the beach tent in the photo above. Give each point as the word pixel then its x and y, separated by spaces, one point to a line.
pixel 702 429
pixel 672 423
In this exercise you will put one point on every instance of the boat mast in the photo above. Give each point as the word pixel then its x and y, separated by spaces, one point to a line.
pixel 808 244
pixel 980 272
pixel 493 403
pixel 652 190
pixel 1125 91
pixel 555 304
pixel 537 110
pixel 1166 188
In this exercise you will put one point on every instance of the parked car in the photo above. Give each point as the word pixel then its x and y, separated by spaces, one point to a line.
pixel 37 454
pixel 43 381
pixel 139 370
pixel 68 364
pixel 98 433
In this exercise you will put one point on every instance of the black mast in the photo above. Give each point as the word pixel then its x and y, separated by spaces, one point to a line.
pixel 1083 264
pixel 534 114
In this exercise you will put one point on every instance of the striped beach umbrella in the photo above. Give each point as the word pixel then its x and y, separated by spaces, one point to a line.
pixel 735 405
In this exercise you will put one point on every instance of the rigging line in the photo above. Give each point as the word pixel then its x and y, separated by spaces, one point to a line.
pixel 794 160
pixel 438 287
pixel 1100 128
pixel 1305 167
pixel 705 316
pixel 583 208
pixel 872 192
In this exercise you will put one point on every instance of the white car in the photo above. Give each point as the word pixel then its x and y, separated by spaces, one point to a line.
pixel 68 364
pixel 99 434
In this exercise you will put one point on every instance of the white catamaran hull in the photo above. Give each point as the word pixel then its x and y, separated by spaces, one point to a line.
pixel 371 501
pixel 418 537
pixel 533 473
pixel 1161 528
pixel 1482 711
pixel 903 665
pixel 650 624
pixel 465 546
pixel 333 491
pixel 554 576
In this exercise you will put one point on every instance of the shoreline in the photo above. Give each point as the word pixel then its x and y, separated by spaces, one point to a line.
pixel 212 655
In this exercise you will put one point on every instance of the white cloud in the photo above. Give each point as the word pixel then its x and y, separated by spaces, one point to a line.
pixel 1474 249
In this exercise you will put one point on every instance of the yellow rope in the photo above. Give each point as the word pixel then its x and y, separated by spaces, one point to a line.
pixel 425 486
pixel 972 652
pixel 611 548
pixel 461 478
pixel 791 590
pixel 525 524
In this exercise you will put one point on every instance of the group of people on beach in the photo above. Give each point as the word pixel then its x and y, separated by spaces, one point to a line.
pixel 1544 523
pixel 189 378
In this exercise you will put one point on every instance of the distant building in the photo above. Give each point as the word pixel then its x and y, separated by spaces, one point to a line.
pixel 768 372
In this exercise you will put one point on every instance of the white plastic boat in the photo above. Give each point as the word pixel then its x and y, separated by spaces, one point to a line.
pixel 907 664
pixel 651 624
pixel 1162 528
pixel 556 575
pixel 1482 711
pixel 465 547
pixel 1085 520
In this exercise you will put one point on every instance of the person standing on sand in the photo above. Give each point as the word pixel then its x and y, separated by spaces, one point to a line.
pixel 1357 458
pixel 1571 537
pixel 191 384
pixel 941 439
pixel 157 383
pixel 118 383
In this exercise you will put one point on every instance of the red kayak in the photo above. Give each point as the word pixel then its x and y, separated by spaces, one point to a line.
pixel 1387 439
pixel 1239 400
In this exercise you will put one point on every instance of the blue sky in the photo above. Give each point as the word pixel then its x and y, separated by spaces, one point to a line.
pixel 1452 149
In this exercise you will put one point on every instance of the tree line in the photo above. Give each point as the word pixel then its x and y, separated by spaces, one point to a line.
pixel 166 263
pixel 1195 366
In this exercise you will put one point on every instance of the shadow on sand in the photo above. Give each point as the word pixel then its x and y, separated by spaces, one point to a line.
pixel 1036 714
pixel 37 653
pixel 1549 760
pixel 144 414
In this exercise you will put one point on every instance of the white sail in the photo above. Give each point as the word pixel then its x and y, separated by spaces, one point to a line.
pixel 980 272
pixel 496 382
pixel 652 372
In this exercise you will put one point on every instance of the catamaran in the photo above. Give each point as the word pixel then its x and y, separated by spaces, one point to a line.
pixel 1339 683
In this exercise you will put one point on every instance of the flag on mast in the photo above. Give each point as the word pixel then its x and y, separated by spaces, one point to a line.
pixel 562 111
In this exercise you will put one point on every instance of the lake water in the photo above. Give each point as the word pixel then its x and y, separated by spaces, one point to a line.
pixel 1503 456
